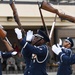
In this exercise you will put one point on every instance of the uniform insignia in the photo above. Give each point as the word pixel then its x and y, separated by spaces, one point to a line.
pixel 34 56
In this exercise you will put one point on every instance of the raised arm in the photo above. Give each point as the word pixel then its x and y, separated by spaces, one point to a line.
pixel 9 48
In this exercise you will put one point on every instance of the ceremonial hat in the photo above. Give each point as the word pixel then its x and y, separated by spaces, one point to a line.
pixel 43 35
pixel 68 39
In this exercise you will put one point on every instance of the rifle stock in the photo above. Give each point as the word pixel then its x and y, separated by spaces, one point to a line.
pixel 46 6
pixel 16 17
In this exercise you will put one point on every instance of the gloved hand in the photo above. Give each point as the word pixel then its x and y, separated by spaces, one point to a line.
pixel 18 32
pixel 14 53
pixel 60 42
pixel 29 35
pixel 56 49
pixel 1 26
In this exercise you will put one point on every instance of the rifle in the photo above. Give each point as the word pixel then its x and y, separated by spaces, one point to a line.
pixel 52 29
pixel 51 32
pixel 48 7
pixel 16 17
pixel 3 34
pixel 45 27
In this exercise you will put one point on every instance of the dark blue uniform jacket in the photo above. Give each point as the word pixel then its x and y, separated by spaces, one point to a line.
pixel 32 66
pixel 66 60
pixel 4 55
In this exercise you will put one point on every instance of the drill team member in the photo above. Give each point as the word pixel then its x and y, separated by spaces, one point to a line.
pixel 10 52
pixel 65 56
pixel 36 53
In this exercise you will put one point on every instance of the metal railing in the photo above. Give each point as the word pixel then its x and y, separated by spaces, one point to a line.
pixel 61 2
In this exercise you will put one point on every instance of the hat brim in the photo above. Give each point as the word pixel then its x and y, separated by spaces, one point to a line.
pixel 68 41
pixel 43 34
pixel 38 35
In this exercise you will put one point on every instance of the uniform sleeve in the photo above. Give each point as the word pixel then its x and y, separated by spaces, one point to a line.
pixel 66 59
pixel 6 54
pixel 23 41
pixel 26 53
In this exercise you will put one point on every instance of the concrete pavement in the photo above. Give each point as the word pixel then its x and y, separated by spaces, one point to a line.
pixel 49 73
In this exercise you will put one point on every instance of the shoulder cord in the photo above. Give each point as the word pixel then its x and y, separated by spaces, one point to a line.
pixel 44 59
pixel 23 47
pixel 71 54
pixel 37 57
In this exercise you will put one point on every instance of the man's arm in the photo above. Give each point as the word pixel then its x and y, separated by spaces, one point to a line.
pixel 66 59
pixel 10 52
pixel 9 48
pixel 62 56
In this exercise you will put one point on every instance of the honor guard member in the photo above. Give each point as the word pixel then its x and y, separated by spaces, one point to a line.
pixel 5 55
pixel 36 53
pixel 65 56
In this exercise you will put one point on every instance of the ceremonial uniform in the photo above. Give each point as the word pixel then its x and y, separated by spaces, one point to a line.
pixel 35 55
pixel 4 55
pixel 8 46
pixel 65 57
pixel 65 64
pixel 33 67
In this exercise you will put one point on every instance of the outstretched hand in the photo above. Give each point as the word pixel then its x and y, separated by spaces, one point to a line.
pixel 14 53
pixel 56 49
pixel 29 36
pixel 19 33
pixel 60 42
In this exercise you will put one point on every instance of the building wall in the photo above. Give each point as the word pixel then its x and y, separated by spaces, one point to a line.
pixel 29 15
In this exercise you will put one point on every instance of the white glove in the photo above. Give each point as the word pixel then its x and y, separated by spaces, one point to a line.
pixel 14 53
pixel 1 26
pixel 56 49
pixel 29 35
pixel 60 42
pixel 18 32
